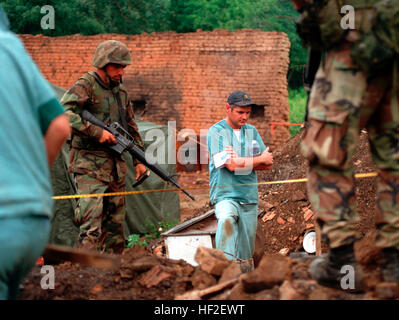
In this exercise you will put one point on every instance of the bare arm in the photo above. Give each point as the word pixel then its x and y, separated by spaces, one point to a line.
pixel 246 163
pixel 56 134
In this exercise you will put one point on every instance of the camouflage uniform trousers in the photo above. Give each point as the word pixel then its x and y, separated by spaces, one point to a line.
pixel 343 101
pixel 100 219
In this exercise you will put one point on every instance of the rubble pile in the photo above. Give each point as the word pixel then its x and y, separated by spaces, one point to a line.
pixel 281 273
pixel 286 214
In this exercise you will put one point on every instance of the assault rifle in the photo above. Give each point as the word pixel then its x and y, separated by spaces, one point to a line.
pixel 125 142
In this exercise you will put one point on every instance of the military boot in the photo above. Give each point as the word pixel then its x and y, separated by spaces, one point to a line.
pixel 338 269
pixel 390 266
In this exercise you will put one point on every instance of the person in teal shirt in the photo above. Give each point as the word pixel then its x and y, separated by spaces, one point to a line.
pixel 236 151
pixel 33 129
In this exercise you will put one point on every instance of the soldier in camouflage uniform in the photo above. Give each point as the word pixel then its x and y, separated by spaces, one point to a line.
pixel 95 167
pixel 344 100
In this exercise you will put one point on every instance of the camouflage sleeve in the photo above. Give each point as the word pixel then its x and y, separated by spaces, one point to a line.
pixel 75 101
pixel 133 129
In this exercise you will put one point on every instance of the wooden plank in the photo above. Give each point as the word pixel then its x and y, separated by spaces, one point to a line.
pixel 216 288
pixel 192 233
pixel 208 292
pixel 188 223
pixel 54 254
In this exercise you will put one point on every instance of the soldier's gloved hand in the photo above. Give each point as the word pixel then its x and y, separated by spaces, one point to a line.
pixel 107 137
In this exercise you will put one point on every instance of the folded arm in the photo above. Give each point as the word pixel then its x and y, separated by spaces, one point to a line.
pixel 261 162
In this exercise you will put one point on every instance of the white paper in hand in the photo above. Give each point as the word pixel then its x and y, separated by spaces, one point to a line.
pixel 220 159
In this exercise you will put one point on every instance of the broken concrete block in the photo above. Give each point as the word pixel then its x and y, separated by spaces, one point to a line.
pixel 155 276
pixel 299 196
pixel 267 294
pixel 211 260
pixel 144 263
pixel 280 220
pixel 291 220
pixel 273 269
pixel 264 205
pixel 224 295
pixel 269 216
pixel 158 251
pixel 217 289
pixel 246 265
pixel 97 289
pixel 284 251
pixel 288 292
pixel 387 290
pixel 238 293
pixel 126 273
pixel 307 213
pixel 231 272
pixel 189 295
pixel 319 294
pixel 201 279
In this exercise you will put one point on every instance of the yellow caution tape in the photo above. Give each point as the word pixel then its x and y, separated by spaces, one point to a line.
pixel 126 193
pixel 111 194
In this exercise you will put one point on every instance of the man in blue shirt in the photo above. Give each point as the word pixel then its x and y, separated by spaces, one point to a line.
pixel 236 151
pixel 32 132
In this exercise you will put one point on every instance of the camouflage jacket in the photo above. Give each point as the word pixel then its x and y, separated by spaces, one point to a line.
pixel 88 156
pixel 320 23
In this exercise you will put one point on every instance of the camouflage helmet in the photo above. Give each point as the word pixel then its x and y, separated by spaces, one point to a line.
pixel 111 51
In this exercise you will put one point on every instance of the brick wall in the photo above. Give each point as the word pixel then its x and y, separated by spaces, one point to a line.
pixel 185 77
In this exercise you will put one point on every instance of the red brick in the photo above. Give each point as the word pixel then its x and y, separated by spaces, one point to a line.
pixel 185 77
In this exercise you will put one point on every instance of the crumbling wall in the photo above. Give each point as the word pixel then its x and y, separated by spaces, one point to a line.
pixel 185 77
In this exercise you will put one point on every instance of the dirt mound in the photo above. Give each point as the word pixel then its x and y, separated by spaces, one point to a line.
pixel 141 275
pixel 286 216
pixel 286 211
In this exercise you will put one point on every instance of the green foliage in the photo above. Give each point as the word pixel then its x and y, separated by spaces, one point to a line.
pixel 297 99
pixel 154 231
pixel 89 17
pixel 190 15
pixel 280 15
pixel 267 15
pixel 135 238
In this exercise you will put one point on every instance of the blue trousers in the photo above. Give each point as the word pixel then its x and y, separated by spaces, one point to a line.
pixel 236 230
pixel 22 241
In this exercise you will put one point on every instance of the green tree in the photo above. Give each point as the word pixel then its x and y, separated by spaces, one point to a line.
pixel 89 17
pixel 207 15
pixel 72 17
pixel 267 15
pixel 280 15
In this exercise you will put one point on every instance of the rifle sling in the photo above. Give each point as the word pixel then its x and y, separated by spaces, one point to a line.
pixel 121 113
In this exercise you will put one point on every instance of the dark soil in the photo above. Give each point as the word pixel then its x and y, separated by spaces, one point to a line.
pixel 286 216
pixel 288 203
